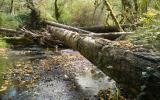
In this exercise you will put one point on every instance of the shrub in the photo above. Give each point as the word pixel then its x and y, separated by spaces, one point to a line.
pixel 8 21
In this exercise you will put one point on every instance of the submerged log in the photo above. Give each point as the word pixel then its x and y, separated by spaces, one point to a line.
pixel 120 61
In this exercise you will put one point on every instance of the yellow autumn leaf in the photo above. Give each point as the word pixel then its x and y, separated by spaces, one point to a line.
pixel 150 14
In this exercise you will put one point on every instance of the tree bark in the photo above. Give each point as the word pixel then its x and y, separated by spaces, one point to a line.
pixel 119 61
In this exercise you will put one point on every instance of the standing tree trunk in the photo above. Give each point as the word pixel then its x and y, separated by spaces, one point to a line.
pixel 109 8
pixel 12 7
pixel 35 16
pixel 136 8
pixel 57 13
pixel 136 5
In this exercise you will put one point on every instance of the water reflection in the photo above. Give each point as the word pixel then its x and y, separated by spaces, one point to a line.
pixel 92 83
pixel 10 95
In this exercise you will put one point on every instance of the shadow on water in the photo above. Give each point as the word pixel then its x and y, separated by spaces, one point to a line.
pixel 55 75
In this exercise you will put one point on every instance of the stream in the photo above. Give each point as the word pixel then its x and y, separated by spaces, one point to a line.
pixel 37 73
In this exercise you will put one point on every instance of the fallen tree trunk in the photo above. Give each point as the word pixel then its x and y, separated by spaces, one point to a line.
pixel 18 41
pixel 21 31
pixel 66 27
pixel 119 61
pixel 109 36
pixel 9 32
pixel 88 30
pixel 29 34
pixel 106 29
pixel 28 37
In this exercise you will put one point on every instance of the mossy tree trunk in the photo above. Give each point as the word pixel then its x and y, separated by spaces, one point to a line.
pixel 57 13
pixel 12 7
pixel 109 8
pixel 35 21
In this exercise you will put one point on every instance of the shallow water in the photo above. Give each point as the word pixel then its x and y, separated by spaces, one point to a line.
pixel 76 81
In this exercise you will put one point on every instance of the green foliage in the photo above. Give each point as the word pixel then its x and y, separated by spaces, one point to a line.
pixel 17 18
pixel 6 20
pixel 149 34
pixel 81 13
pixel 3 43
pixel 156 4
pixel 46 9
pixel 22 18
pixel 9 21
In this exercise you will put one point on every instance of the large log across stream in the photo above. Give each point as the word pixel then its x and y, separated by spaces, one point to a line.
pixel 122 62
pixel 22 31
